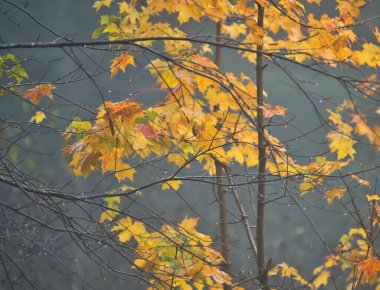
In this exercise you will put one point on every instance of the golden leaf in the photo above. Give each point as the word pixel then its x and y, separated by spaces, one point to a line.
pixel 341 144
pixel 98 4
pixel 121 62
pixel 174 184
pixel 322 279
pixel 234 30
pixel 38 117
pixel 359 180
pixel 334 194
pixel 373 197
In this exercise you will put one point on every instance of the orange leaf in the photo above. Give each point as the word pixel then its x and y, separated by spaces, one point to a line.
pixel 371 267
pixel 121 63
pixel 34 95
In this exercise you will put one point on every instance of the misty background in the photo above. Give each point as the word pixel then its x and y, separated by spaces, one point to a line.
pixel 61 264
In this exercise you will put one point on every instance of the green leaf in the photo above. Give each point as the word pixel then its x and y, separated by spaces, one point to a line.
pixel 97 32
pixel 142 121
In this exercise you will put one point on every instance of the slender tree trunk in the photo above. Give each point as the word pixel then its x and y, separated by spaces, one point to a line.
pixel 261 263
pixel 220 188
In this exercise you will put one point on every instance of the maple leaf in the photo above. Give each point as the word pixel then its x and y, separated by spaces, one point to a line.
pixel 76 128
pixel 108 215
pixel 362 128
pixel 127 110
pixel 334 194
pixel 84 163
pixel 38 117
pixel 322 277
pixel 174 184
pixel 359 180
pixel 377 33
pixel 34 95
pixel 287 271
pixel 148 130
pixel 129 229
pixel 125 7
pixel 186 12
pixel 370 55
pixel 189 223
pixel 234 30
pixel 371 267
pixel 121 63
pixel 293 7
pixel 341 144
pixel 369 85
pixel 373 197
pixel 98 4
pixel 236 154
pixel 270 111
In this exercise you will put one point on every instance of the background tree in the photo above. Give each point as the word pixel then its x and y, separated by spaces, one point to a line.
pixel 204 125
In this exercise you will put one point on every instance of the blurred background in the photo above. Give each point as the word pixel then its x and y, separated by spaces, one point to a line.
pixel 54 260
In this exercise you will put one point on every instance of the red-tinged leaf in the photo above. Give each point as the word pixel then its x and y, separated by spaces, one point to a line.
pixel 34 95
pixel 148 131
pixel 270 111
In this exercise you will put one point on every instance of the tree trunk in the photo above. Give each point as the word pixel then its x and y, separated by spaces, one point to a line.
pixel 220 188
pixel 261 263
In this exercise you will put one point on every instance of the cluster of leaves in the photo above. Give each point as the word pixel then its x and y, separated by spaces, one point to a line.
pixel 11 73
pixel 357 253
pixel 175 256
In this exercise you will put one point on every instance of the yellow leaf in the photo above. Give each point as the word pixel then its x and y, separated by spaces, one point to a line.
pixel 123 225
pixel 336 118
pixel 174 184
pixel 369 55
pixel 189 223
pixel 341 144
pixel 125 236
pixel 38 117
pixel 108 215
pixel 121 63
pixel 126 172
pixel 321 279
pixel 206 48
pixel 234 30
pixel 111 28
pixel 125 7
pixel 235 153
pixel 98 4
pixel 140 263
pixel 137 229
pixel 333 194
pixel 359 180
pixel 377 33
pixel 373 197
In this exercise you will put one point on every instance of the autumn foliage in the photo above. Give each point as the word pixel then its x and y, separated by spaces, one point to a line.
pixel 208 117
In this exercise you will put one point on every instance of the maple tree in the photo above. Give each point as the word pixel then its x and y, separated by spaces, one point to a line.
pixel 222 121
